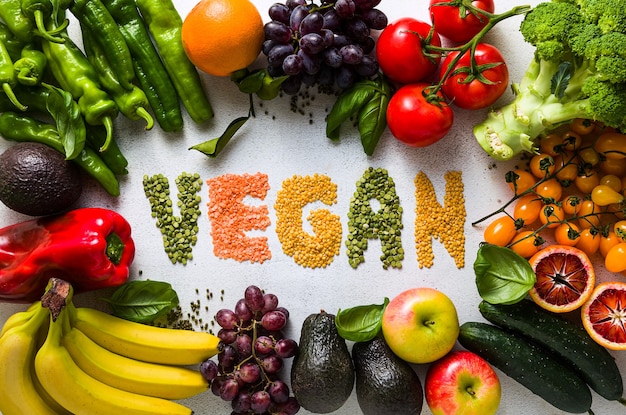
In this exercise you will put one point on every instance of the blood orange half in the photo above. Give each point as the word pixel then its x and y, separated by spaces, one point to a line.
pixel 604 315
pixel 565 278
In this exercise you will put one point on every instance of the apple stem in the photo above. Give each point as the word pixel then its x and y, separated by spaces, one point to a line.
pixel 470 391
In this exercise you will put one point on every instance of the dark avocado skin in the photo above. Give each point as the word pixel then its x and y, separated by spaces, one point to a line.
pixel 385 384
pixel 322 373
pixel 36 180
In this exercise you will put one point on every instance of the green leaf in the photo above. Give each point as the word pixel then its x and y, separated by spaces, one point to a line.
pixel 143 301
pixel 360 323
pixel 502 275
pixel 560 80
pixel 214 146
pixel 372 119
pixel 69 121
pixel 348 104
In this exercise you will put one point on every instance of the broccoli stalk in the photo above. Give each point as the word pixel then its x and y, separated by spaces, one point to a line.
pixel 578 71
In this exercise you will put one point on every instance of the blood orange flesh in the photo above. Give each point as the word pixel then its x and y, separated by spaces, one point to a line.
pixel 604 315
pixel 565 278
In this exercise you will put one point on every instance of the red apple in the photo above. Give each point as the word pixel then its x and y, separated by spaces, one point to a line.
pixel 462 383
pixel 420 325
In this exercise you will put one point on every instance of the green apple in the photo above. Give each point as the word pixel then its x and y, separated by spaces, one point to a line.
pixel 462 383
pixel 420 325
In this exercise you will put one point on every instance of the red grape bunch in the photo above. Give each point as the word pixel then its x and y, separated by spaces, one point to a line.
pixel 247 369
pixel 327 44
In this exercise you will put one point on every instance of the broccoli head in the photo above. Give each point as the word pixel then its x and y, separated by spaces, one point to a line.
pixel 578 71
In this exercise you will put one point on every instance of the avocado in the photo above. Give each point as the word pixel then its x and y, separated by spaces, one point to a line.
pixel 385 384
pixel 322 372
pixel 37 180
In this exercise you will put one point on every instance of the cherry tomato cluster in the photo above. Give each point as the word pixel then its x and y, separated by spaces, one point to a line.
pixel 572 192
pixel 471 75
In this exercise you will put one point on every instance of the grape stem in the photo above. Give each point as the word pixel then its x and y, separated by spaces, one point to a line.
pixel 475 70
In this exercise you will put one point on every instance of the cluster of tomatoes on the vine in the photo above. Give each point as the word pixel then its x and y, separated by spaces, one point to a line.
pixel 430 78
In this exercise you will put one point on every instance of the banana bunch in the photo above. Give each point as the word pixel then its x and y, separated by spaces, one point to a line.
pixel 84 361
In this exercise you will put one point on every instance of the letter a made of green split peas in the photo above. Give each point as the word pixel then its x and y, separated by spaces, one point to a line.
pixel 16 127
pixel 165 25
pixel 149 68
pixel 75 74
pixel 385 224
pixel 133 104
pixel 179 232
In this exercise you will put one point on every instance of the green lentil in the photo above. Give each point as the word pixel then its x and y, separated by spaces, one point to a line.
pixel 179 233
pixel 365 224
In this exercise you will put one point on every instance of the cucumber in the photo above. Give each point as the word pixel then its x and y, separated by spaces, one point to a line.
pixel 568 340
pixel 529 364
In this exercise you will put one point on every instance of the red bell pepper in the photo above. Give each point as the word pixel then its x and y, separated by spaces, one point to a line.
pixel 91 248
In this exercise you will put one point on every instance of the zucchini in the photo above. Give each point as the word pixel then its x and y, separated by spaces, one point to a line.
pixel 568 340
pixel 529 364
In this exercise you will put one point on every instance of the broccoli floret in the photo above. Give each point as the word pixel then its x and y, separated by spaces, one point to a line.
pixel 578 71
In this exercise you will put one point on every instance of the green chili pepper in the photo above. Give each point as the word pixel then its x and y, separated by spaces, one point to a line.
pixel 14 45
pixel 30 67
pixel 8 78
pixel 94 16
pixel 134 103
pixel 165 25
pixel 17 127
pixel 38 11
pixel 12 15
pixel 112 156
pixel 149 69
pixel 76 75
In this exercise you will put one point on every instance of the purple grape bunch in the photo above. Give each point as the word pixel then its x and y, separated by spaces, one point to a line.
pixel 327 44
pixel 247 370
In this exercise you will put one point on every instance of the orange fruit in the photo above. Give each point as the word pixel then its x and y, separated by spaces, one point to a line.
pixel 222 36
pixel 565 278
pixel 604 315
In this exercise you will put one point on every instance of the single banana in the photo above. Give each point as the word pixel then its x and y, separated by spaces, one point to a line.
pixel 18 345
pixel 19 318
pixel 143 342
pixel 152 379
pixel 81 394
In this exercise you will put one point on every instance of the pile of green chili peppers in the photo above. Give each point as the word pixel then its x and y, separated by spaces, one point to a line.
pixel 132 62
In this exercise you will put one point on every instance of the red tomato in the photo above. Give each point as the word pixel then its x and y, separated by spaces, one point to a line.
pixel 400 51
pixel 457 25
pixel 468 91
pixel 415 121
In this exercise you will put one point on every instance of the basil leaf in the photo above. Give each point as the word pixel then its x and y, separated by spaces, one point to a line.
pixel 373 118
pixel 360 323
pixel 143 301
pixel 502 276
pixel 69 121
pixel 214 146
pixel 348 104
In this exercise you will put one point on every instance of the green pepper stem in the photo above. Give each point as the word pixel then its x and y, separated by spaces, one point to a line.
pixel 143 113
pixel 6 87
pixel 41 28
pixel 115 248
pixel 108 125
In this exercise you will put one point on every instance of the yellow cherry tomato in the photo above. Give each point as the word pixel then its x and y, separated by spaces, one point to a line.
pixel 607 242
pixel 551 215
pixel 525 244
pixel 612 145
pixel 589 156
pixel 571 205
pixel 501 231
pixel 615 259
pixel 541 165
pixel 582 126
pixel 527 209
pixel 613 181
pixel 588 214
pixel 620 230
pixel 588 241
pixel 586 182
pixel 571 141
pixel 566 168
pixel 550 189
pixel 522 181
pixel 603 195
pixel 551 144
pixel 567 234
pixel 613 166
